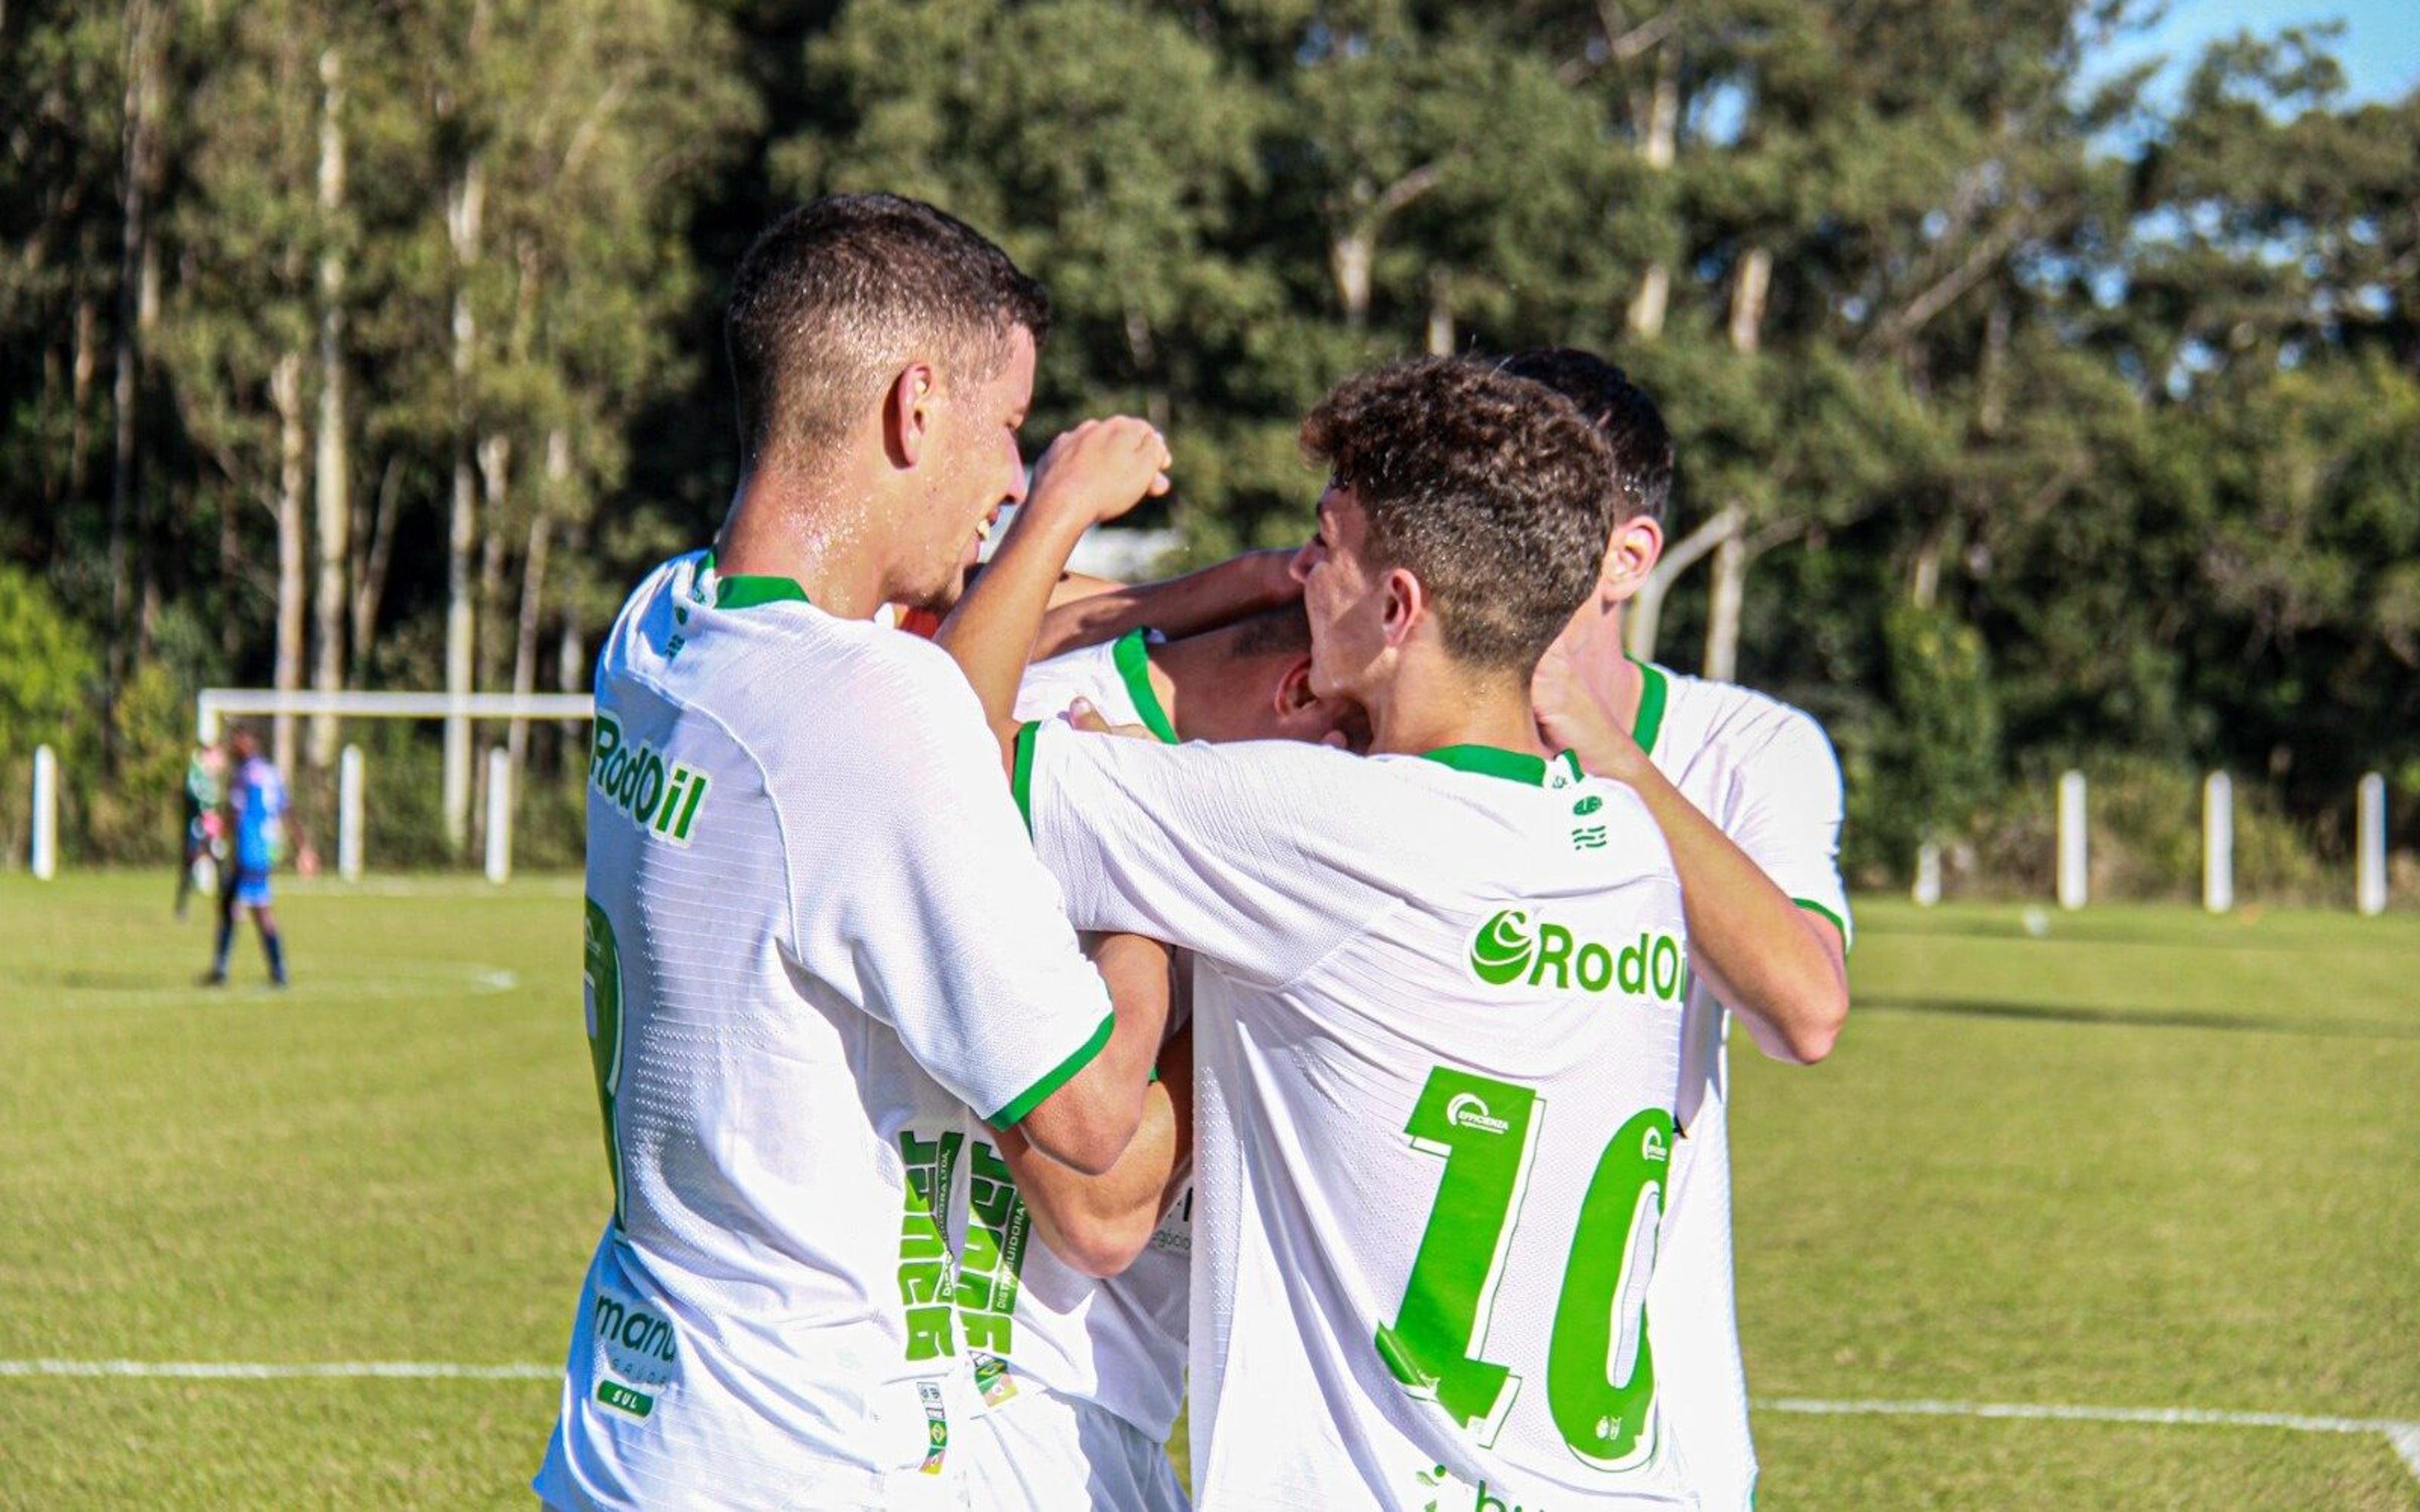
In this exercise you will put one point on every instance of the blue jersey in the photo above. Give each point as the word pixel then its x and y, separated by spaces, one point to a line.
pixel 257 797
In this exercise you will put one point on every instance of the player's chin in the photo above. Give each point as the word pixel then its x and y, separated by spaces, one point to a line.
pixel 947 588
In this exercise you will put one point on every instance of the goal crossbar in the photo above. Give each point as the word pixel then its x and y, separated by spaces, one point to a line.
pixel 218 703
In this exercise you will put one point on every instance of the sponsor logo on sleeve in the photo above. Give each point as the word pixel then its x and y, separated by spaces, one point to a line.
pixel 661 797
pixel 1516 947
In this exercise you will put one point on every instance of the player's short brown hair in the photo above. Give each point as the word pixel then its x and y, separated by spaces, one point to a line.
pixel 838 295
pixel 1622 413
pixel 1491 490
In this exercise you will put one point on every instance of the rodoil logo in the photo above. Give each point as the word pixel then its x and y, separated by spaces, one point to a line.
pixel 1517 948
pixel 661 798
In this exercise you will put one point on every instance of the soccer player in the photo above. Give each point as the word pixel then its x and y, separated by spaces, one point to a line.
pixel 816 933
pixel 255 806
pixel 1084 1375
pixel 1747 794
pixel 204 769
pixel 1437 990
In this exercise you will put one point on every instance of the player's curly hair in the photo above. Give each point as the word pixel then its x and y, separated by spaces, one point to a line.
pixel 1493 490
pixel 835 297
pixel 1622 413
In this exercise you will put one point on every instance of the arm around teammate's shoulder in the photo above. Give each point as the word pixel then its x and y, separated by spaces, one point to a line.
pixel 1782 969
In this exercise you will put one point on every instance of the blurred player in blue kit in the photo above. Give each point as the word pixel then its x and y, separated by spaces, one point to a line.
pixel 257 827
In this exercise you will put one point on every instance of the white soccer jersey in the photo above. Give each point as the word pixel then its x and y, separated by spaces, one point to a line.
pixel 1437 1033
pixel 816 933
pixel 1025 1315
pixel 1765 774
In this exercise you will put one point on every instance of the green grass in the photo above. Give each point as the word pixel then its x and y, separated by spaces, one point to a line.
pixel 2151 1160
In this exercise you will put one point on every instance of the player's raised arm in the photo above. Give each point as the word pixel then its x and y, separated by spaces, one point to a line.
pixel 1218 595
pixel 1781 967
pixel 1097 472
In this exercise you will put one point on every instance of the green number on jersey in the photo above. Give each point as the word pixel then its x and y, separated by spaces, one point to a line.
pixel 1600 1374
pixel 601 973
pixel 1481 1127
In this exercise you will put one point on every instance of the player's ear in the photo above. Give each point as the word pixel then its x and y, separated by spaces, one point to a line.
pixel 908 413
pixel 1294 693
pixel 1407 602
pixel 1629 556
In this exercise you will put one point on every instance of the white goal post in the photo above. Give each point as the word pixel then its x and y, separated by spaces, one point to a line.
pixel 218 705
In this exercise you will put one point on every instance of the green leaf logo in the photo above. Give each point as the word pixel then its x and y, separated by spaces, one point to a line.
pixel 1501 949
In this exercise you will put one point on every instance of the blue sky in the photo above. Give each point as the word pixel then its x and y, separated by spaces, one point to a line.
pixel 2380 49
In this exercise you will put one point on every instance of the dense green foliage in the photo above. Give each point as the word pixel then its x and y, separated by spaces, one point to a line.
pixel 398 1159
pixel 2029 419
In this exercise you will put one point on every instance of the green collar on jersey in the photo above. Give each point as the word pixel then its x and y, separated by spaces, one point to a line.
pixel 1654 689
pixel 1134 665
pixel 746 590
pixel 1494 761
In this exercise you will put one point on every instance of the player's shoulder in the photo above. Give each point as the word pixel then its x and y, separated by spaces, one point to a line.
pixel 1702 712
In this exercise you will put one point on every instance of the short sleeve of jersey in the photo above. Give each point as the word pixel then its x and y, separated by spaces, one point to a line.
pixel 1198 844
pixel 959 939
pixel 1790 823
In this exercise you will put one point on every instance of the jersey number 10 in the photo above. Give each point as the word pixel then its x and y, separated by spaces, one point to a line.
pixel 1600 1373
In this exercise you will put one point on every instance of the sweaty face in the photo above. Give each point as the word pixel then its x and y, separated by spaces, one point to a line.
pixel 975 468
pixel 1345 599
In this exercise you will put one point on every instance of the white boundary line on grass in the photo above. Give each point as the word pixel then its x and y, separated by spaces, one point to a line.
pixel 2404 1437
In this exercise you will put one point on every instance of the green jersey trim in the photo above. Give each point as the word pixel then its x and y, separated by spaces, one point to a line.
pixel 1134 665
pixel 1837 922
pixel 748 590
pixel 1655 691
pixel 1021 773
pixel 1057 1076
pixel 1494 761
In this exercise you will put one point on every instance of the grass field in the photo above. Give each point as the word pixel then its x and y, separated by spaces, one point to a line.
pixel 2148 1161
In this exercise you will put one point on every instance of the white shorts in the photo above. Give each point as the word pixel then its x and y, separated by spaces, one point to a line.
pixel 1042 1451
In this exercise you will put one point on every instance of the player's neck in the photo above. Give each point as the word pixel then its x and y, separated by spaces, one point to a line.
pixel 1601 662
pixel 1183 675
pixel 782 525
pixel 1431 703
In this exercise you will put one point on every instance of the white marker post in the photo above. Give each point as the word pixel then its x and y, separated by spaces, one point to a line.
pixel 45 856
pixel 500 813
pixel 2071 858
pixel 2369 880
pixel 2218 843
pixel 1927 891
pixel 349 814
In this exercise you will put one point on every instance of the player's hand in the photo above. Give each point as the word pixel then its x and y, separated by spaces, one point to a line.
pixel 1085 718
pixel 307 862
pixel 1097 472
pixel 1574 718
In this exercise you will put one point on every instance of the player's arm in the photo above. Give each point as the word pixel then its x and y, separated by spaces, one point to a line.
pixel 1176 606
pixel 1783 969
pixel 1097 472
pixel 1099 1223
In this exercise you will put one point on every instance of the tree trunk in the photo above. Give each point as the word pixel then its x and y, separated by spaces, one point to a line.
pixel 495 472
pixel 465 205
pixel 1723 608
pixel 1748 290
pixel 137 148
pixel 333 481
pixel 1440 343
pixel 1659 142
pixel 369 566
pixel 558 471
pixel 1726 597
pixel 570 652
pixel 80 375
pixel 286 393
pixel 1350 259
